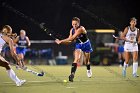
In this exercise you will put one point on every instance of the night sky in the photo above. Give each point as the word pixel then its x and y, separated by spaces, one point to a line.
pixel 57 15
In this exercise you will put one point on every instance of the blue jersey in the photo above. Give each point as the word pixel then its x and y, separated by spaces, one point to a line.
pixel 22 44
pixel 82 42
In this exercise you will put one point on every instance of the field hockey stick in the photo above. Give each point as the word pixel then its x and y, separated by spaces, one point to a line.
pixel 123 39
pixel 31 71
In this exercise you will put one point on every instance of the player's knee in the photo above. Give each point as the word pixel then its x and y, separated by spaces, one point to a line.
pixel 87 62
pixel 135 59
pixel 77 60
pixel 126 62
pixel 6 65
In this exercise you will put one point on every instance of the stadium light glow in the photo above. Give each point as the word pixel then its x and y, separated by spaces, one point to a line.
pixel 104 31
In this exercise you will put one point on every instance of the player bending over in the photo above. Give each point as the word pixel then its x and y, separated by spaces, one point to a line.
pixel 7 31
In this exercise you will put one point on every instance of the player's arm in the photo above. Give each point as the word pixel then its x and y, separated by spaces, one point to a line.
pixel 13 37
pixel 66 42
pixel 124 34
pixel 11 45
pixel 116 41
pixel 72 37
pixel 28 41
pixel 16 39
pixel 138 36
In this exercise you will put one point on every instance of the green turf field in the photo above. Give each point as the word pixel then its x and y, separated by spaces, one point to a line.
pixel 106 79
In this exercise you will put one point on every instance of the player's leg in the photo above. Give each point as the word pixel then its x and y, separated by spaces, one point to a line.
pixel 135 63
pixel 18 51
pixel 121 55
pixel 127 57
pixel 19 65
pixel 21 52
pixel 77 54
pixel 21 55
pixel 87 49
pixel 120 59
pixel 87 58
pixel 10 72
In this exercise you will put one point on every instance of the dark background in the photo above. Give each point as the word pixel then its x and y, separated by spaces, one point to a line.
pixel 57 15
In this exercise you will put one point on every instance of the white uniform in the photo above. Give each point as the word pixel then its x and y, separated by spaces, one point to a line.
pixel 2 42
pixel 11 73
pixel 131 35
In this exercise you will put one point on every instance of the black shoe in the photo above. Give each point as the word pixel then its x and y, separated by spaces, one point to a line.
pixel 41 74
pixel 71 78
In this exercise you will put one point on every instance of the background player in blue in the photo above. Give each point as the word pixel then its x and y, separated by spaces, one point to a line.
pixel 22 42
pixel 120 49
pixel 79 34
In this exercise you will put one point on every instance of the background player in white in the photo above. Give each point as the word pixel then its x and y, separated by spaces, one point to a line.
pixel 130 35
pixel 7 31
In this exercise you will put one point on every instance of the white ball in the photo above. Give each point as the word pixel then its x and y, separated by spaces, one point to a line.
pixel 50 34
pixel 45 29
pixel 65 81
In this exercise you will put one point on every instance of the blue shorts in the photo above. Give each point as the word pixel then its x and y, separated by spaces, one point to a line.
pixel 120 49
pixel 20 50
pixel 85 47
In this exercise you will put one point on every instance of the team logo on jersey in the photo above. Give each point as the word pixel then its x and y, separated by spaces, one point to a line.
pixel 132 34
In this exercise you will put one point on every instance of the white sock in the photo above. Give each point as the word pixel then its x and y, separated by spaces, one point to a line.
pixel 125 66
pixel 135 67
pixel 120 61
pixel 13 76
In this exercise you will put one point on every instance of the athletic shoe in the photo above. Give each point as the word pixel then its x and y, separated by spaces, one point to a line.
pixel 41 74
pixel 71 78
pixel 135 75
pixel 120 65
pixel 124 73
pixel 89 73
pixel 24 67
pixel 17 67
pixel 20 83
